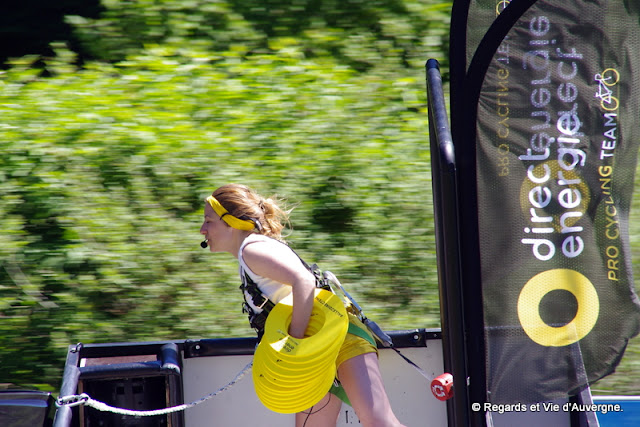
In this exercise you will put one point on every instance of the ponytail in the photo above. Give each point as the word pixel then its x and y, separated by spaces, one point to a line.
pixel 244 203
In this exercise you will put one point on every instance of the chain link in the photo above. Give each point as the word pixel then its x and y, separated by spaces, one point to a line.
pixel 73 400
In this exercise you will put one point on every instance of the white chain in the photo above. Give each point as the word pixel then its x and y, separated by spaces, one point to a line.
pixel 84 399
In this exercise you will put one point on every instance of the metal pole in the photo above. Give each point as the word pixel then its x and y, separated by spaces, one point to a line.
pixel 445 194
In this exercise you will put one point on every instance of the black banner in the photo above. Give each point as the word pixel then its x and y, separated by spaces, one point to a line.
pixel 556 112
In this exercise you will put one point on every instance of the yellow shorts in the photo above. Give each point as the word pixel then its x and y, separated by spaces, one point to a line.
pixel 355 345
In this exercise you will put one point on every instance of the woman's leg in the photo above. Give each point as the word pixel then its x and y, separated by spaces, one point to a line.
pixel 322 414
pixel 360 376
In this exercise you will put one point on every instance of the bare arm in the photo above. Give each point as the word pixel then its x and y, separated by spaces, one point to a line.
pixel 278 263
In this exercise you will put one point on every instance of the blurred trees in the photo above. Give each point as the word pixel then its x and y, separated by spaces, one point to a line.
pixel 111 141
pixel 28 27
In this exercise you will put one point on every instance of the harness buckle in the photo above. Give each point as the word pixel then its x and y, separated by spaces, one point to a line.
pixel 265 301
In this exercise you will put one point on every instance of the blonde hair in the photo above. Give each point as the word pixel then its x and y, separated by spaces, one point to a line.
pixel 244 203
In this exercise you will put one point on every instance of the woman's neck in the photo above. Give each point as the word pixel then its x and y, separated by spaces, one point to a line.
pixel 238 238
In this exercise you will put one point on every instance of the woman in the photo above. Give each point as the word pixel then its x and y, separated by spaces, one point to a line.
pixel 239 221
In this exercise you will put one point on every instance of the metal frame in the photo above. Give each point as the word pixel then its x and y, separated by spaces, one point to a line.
pixel 170 356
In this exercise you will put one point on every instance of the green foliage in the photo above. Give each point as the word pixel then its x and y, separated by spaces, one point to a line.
pixel 361 34
pixel 105 168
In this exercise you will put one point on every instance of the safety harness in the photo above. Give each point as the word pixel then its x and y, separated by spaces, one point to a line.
pixel 261 301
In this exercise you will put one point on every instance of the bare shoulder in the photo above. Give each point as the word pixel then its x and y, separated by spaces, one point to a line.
pixel 266 250
pixel 274 260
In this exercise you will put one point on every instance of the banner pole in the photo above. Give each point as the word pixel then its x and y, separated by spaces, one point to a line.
pixel 443 169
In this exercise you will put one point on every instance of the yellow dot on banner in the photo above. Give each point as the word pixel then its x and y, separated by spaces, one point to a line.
pixel 558 279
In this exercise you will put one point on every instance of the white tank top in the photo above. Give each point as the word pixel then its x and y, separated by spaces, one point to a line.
pixel 273 290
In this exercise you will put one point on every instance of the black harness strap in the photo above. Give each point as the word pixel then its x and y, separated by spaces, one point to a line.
pixel 258 299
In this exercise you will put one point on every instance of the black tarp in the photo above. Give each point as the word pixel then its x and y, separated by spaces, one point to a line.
pixel 26 408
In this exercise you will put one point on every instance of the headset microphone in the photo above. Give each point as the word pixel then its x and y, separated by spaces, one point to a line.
pixel 204 244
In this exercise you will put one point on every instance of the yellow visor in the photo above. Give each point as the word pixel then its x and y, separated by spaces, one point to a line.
pixel 234 222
